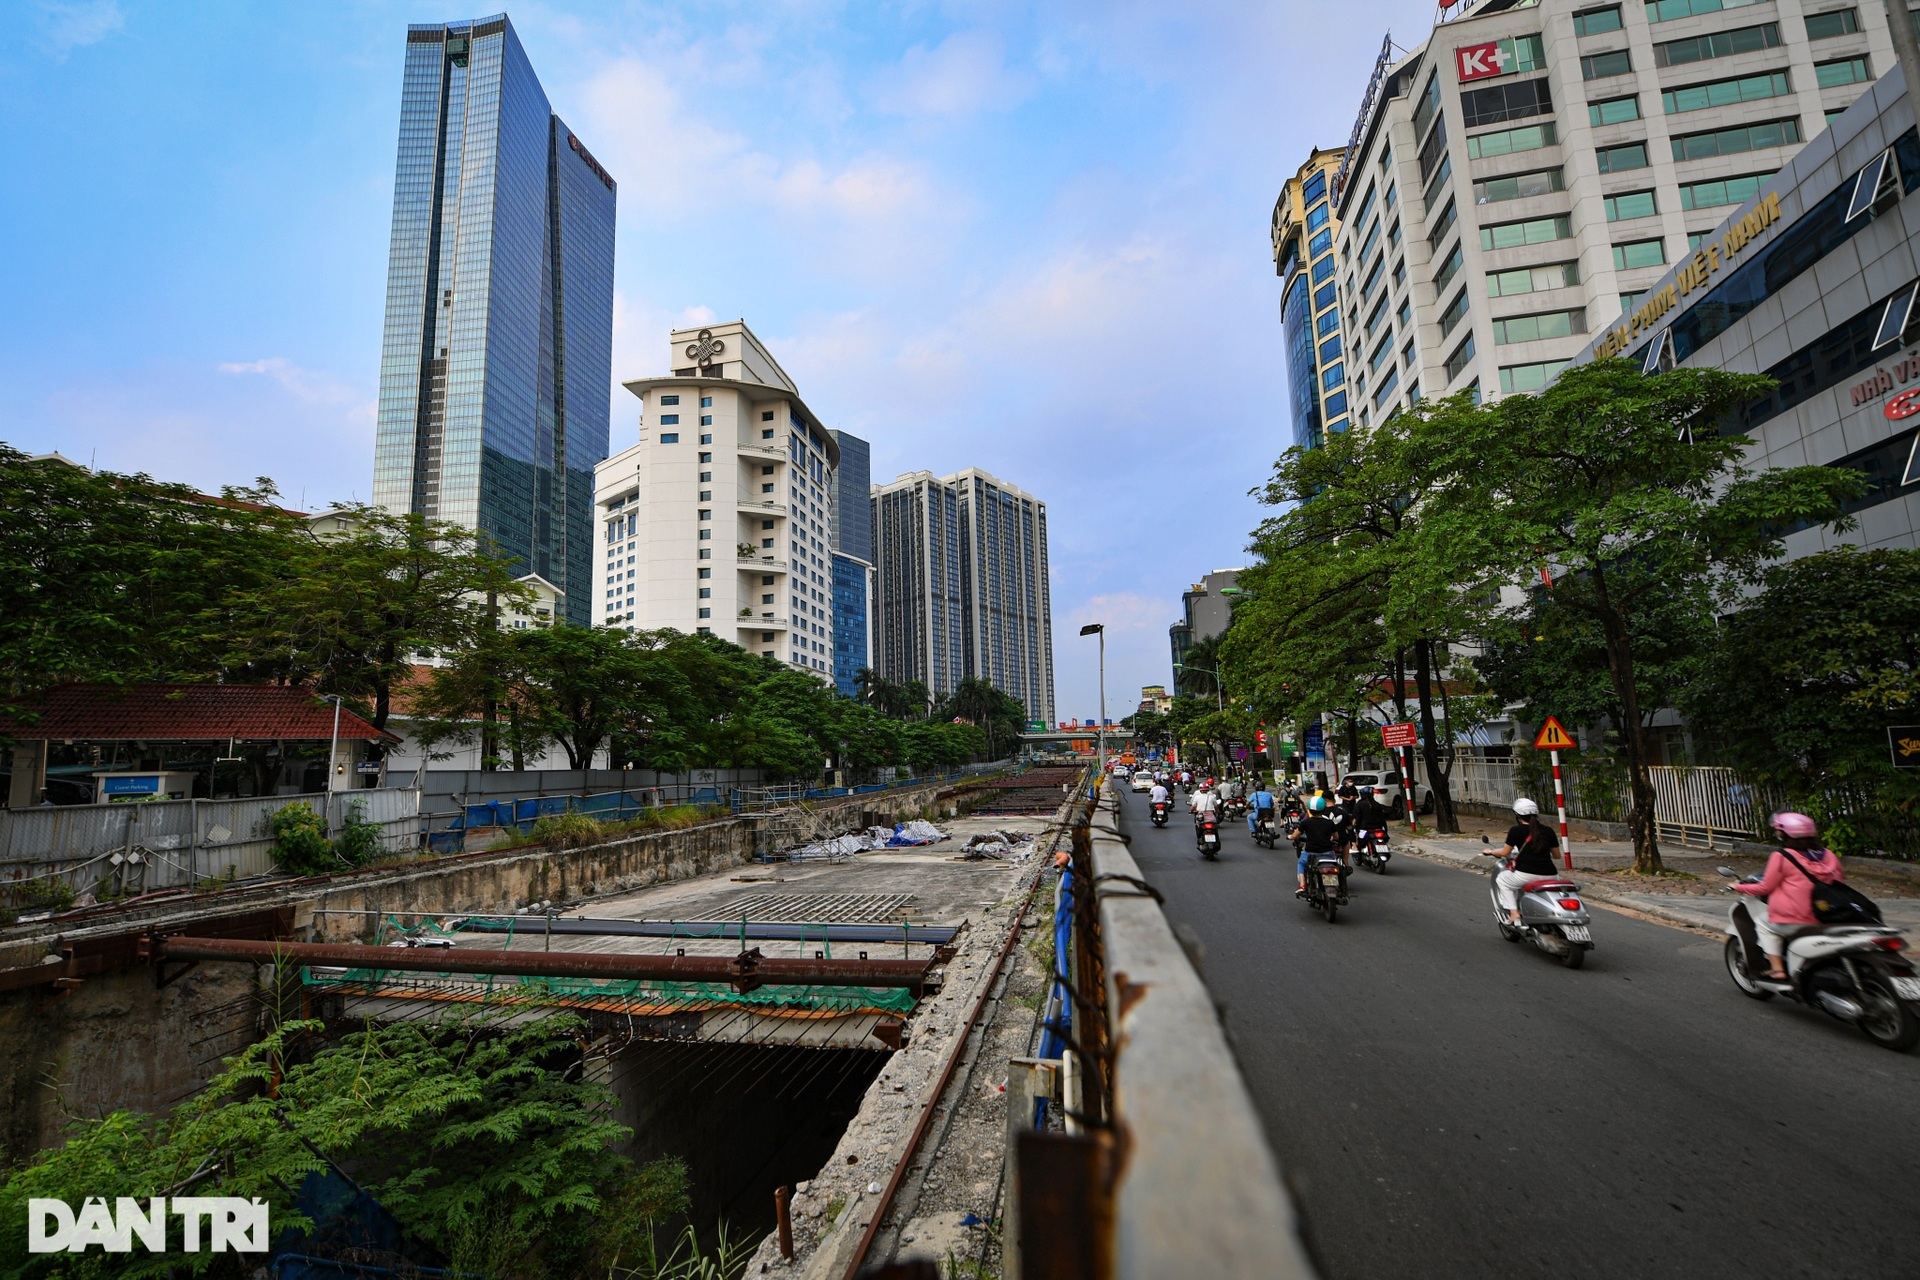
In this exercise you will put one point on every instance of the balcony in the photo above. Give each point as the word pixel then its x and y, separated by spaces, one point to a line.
pixel 762 562
pixel 763 449
pixel 760 507
pixel 761 622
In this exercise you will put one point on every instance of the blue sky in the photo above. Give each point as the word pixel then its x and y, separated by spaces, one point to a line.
pixel 1031 238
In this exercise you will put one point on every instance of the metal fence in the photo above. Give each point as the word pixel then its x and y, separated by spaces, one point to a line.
pixel 165 844
pixel 1706 805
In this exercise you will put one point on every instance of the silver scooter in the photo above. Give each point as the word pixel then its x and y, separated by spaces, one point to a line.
pixel 1856 972
pixel 1551 914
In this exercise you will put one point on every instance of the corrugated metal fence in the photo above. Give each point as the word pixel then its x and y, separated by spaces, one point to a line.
pixel 173 843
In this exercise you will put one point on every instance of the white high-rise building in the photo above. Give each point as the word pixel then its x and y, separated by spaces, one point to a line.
pixel 962 586
pixel 720 519
pixel 1516 183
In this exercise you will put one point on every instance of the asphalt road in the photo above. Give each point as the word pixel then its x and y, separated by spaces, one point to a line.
pixel 1444 1103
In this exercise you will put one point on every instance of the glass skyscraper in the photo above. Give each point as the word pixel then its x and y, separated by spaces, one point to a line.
pixel 852 561
pixel 496 367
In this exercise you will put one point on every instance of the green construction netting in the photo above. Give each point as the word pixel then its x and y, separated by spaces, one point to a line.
pixel 893 1000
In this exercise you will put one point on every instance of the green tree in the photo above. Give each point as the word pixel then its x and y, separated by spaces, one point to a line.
pixel 480 1136
pixel 1801 685
pixel 1623 487
pixel 118 579
pixel 1199 674
pixel 359 610
pixel 1000 716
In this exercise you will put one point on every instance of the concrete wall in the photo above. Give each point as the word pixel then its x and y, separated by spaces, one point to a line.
pixel 117 1041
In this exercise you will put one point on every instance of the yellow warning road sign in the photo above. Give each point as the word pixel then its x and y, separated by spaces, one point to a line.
pixel 1553 736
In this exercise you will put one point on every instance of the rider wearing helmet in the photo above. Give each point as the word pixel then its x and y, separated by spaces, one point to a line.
pixel 1317 833
pixel 1203 801
pixel 1788 885
pixel 1533 844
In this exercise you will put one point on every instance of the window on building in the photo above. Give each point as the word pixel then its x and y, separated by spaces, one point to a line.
pixel 1381 354
pixel 706 457
pixel 1668 10
pixel 1407 355
pixel 1614 110
pixel 706 593
pixel 706 573
pixel 1406 312
pixel 706 535
pixel 1720 93
pixel 766 524
pixel 1330 349
pixel 1315 187
pixel 1322 269
pixel 1323 296
pixel 1829 75
pixel 1433 148
pixel 767 434
pixel 669 419
pixel 1836 22
pixel 1598 66
pixel 706 439
pixel 1448 269
pixel 1620 159
pixel 706 419
pixel 670 437
pixel 1518 186
pixel 1508 235
pixel 706 495
pixel 1717 44
pixel 1399 274
pixel 1317 217
pixel 1629 204
pixel 1454 312
pixel 1462 356
pixel 1437 183
pixel 1393 235
pixel 1332 376
pixel 1545 324
pixel 1428 106
pixel 1327 323
pixel 1594 22
pixel 706 613
pixel 1628 301
pixel 766 415
pixel 1727 142
pixel 669 399
pixel 1321 243
pixel 1387 384
pixel 1530 377
pixel 1501 102
pixel 1529 53
pixel 1639 253
pixel 1532 137
pixel 1555 275
pixel 1723 191
pixel 1336 403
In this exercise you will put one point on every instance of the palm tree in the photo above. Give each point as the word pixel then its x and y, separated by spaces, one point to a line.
pixel 1199 671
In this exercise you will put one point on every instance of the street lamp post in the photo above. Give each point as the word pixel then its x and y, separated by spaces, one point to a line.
pixel 1099 629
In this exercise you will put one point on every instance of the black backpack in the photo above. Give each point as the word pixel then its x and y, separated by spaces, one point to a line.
pixel 1838 903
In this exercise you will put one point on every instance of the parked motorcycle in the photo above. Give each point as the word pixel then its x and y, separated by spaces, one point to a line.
pixel 1326 884
pixel 1206 835
pixel 1551 915
pixel 1371 850
pixel 1160 813
pixel 1855 973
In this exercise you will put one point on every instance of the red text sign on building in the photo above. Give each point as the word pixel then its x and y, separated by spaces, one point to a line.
pixel 1478 61
pixel 1399 735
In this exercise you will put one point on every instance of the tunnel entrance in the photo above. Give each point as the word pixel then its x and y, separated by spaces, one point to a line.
pixel 745 1118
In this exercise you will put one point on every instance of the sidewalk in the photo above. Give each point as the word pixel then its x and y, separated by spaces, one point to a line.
pixel 1693 910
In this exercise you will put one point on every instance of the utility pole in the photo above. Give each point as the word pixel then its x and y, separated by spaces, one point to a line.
pixel 1906 46
pixel 1099 629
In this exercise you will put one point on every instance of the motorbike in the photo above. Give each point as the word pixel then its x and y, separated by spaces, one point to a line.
pixel 1371 850
pixel 1160 813
pixel 1236 807
pixel 1855 973
pixel 1264 831
pixel 1326 884
pixel 1206 835
pixel 1551 915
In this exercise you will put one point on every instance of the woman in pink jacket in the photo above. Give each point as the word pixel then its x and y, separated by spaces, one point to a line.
pixel 1788 886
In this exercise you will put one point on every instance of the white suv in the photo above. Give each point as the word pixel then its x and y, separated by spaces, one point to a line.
pixel 1422 795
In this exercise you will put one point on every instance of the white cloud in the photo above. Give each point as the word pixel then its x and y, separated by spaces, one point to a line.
pixel 309 386
pixel 961 76
pixel 65 27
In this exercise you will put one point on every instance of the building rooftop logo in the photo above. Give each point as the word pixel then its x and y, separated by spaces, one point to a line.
pixel 703 351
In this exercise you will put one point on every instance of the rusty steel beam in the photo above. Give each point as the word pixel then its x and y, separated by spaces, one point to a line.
pixel 85 957
pixel 744 972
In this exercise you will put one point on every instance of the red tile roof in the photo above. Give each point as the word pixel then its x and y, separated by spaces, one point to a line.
pixel 183 713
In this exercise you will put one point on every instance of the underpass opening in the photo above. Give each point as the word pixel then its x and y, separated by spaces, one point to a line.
pixel 746 1118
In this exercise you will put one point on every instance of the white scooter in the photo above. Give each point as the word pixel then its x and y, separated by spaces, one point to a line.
pixel 1551 914
pixel 1856 973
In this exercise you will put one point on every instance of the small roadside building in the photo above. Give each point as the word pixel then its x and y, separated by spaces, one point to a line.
pixel 105 744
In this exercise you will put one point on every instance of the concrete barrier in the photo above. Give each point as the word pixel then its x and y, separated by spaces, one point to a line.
pixel 1199 1192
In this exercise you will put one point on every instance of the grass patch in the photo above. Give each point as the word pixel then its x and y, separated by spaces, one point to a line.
pixel 834 1208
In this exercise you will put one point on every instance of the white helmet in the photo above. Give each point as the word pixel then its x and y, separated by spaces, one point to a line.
pixel 1525 807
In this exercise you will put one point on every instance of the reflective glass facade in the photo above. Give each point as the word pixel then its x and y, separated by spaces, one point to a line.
pixel 919 613
pixel 496 365
pixel 1303 233
pixel 852 512
pixel 849 621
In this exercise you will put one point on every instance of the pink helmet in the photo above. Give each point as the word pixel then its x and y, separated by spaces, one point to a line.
pixel 1794 826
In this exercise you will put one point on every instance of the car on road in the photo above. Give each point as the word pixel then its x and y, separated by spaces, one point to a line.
pixel 1422 794
pixel 1143 780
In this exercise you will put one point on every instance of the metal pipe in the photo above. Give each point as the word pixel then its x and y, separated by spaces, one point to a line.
pixel 782 1198
pixel 770 931
pixel 747 969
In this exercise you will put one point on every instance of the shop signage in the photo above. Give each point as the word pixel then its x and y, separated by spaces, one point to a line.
pixel 1903 405
pixel 1479 61
pixel 1400 735
pixel 1904 740
pixel 1696 273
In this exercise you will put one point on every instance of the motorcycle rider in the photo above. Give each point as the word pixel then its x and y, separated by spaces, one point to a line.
pixel 1158 795
pixel 1369 815
pixel 1261 800
pixel 1316 834
pixel 1203 801
pixel 1788 885
pixel 1534 844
